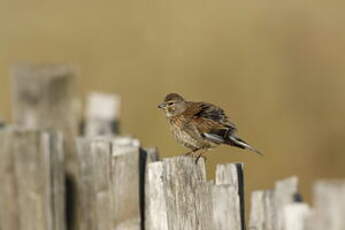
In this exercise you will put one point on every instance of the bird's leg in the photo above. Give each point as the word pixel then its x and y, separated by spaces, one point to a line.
pixel 200 156
pixel 197 154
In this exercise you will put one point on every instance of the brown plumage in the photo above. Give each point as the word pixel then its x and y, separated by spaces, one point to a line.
pixel 200 126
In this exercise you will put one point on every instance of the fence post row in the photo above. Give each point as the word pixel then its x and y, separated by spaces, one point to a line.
pixel 115 184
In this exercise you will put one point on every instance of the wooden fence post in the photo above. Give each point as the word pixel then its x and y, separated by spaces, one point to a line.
pixel 226 208
pixel 260 213
pixel 102 115
pixel 171 188
pixel 267 212
pixel 285 193
pixel 86 219
pixel 179 197
pixel 125 185
pixel 32 173
pixel 110 183
pixel 8 194
pixel 232 174
pixel 329 210
pixel 102 184
pixel 129 163
pixel 295 216
pixel 43 97
pixel 155 199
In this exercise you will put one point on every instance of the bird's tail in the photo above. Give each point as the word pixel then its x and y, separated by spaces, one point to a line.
pixel 238 142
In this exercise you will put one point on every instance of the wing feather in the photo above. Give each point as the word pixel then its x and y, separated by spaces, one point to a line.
pixel 211 121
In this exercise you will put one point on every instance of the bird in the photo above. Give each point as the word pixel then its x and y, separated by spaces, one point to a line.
pixel 200 126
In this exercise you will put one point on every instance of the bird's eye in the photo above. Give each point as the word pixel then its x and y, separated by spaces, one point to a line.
pixel 170 103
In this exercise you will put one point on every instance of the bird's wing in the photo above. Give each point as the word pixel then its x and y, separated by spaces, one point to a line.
pixel 210 120
pixel 206 112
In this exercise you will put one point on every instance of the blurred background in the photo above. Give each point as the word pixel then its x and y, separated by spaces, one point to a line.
pixel 276 67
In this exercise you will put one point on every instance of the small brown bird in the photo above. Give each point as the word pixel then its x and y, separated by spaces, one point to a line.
pixel 200 126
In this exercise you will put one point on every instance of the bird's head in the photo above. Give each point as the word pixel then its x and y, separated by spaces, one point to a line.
pixel 173 105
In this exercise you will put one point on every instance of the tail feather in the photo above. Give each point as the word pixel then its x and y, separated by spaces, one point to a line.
pixel 238 142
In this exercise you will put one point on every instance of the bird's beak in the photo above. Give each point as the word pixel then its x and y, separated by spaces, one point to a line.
pixel 161 106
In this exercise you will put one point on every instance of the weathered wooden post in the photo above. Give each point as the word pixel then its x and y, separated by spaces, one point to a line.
pixel 125 185
pixel 43 97
pixel 32 177
pixel 179 197
pixel 87 217
pixel 267 212
pixel 329 210
pixel 110 187
pixel 101 151
pixel 262 213
pixel 171 192
pixel 226 208
pixel 285 193
pixel 8 197
pixel 232 174
pixel 295 216
pixel 102 115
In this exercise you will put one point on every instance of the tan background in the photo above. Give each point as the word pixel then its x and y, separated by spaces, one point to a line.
pixel 277 67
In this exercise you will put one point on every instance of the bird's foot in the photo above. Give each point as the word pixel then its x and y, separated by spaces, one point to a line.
pixel 196 154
